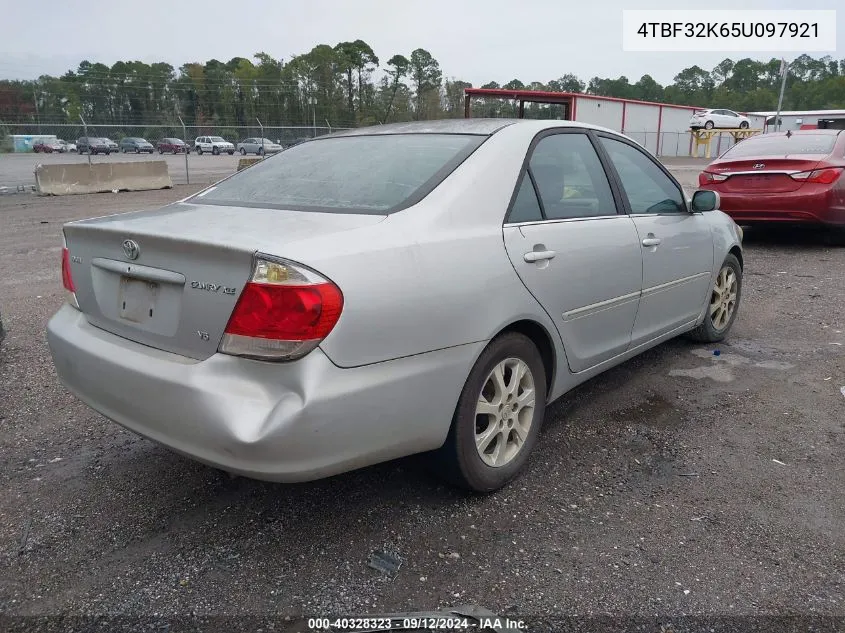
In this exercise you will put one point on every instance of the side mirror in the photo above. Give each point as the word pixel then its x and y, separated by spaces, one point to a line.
pixel 704 200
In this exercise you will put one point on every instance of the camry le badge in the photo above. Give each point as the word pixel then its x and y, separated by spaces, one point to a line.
pixel 131 249
pixel 759 165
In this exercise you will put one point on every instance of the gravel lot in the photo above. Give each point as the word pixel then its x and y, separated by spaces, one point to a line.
pixel 678 483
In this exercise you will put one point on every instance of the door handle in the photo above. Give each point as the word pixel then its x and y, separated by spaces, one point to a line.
pixel 651 241
pixel 538 256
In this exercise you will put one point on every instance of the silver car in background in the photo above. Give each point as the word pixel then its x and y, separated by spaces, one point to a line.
pixel 258 146
pixel 398 289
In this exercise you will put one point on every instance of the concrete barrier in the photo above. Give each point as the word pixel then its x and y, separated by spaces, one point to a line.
pixel 243 163
pixel 70 178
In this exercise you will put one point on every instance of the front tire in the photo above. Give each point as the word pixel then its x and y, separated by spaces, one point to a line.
pixel 215 151
pixel 723 305
pixel 498 418
pixel 744 125
pixel 230 152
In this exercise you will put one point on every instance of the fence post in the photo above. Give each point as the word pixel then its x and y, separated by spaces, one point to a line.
pixel 85 133
pixel 185 137
pixel 329 125
pixel 261 127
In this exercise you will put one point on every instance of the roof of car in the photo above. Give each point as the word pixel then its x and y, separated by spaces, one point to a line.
pixel 828 131
pixel 484 127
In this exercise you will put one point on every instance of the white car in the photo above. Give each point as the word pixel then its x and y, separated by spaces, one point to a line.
pixel 214 144
pixel 709 119
pixel 67 147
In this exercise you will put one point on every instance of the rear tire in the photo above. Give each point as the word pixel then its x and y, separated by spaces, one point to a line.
pixel 230 152
pixel 243 152
pixel 199 151
pixel 137 151
pixel 724 303
pixel 508 424
pixel 708 125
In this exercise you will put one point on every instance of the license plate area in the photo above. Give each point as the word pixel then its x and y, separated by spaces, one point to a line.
pixel 137 299
pixel 760 182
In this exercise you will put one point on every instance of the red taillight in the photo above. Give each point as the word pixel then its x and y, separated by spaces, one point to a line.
pixel 706 177
pixel 824 176
pixel 67 278
pixel 283 313
pixel 288 313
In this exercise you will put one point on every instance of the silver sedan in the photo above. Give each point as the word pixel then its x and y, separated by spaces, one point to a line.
pixel 421 287
pixel 258 146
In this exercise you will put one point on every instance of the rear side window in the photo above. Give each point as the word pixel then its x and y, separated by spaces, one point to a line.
pixel 375 174
pixel 782 145
pixel 526 207
pixel 570 178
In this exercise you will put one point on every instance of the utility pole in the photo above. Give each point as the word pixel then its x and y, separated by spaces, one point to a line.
pixel 261 127
pixel 87 140
pixel 35 99
pixel 187 147
pixel 784 69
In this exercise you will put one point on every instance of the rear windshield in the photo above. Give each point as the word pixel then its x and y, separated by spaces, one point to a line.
pixel 782 145
pixel 356 174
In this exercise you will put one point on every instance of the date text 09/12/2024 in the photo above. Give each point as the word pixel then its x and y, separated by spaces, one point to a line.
pixel 456 623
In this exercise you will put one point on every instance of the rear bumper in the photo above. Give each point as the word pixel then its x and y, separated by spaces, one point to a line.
pixel 276 421
pixel 799 207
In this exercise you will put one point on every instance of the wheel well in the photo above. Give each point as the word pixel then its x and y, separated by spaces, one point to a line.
pixel 736 251
pixel 540 337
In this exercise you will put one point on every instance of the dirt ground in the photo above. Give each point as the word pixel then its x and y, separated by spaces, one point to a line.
pixel 680 483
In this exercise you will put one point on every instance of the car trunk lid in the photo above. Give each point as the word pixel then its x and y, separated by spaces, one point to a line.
pixel 191 263
pixel 767 174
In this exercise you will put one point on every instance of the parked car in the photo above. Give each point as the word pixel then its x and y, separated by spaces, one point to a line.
pixel 790 177
pixel 68 147
pixel 113 147
pixel 135 144
pixel 709 119
pixel 173 145
pixel 92 145
pixel 390 290
pixel 47 147
pixel 298 141
pixel 213 144
pixel 255 146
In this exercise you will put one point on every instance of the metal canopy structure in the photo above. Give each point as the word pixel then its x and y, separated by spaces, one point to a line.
pixel 567 99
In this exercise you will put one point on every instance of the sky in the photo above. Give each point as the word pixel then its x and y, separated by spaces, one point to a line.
pixel 473 40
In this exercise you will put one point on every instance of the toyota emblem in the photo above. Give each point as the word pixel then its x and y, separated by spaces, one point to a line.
pixel 131 249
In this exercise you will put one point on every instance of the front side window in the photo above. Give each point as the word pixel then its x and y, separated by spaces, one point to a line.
pixel 648 188
pixel 376 174
pixel 570 178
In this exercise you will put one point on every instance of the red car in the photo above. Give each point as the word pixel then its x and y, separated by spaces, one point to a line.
pixel 785 177
pixel 173 145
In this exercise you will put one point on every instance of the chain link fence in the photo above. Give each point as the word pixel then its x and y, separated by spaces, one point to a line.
pixel 17 140
pixel 284 135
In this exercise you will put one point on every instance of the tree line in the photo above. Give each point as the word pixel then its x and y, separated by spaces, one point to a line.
pixel 347 85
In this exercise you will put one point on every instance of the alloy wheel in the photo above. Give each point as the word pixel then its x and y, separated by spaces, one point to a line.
pixel 723 299
pixel 504 412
